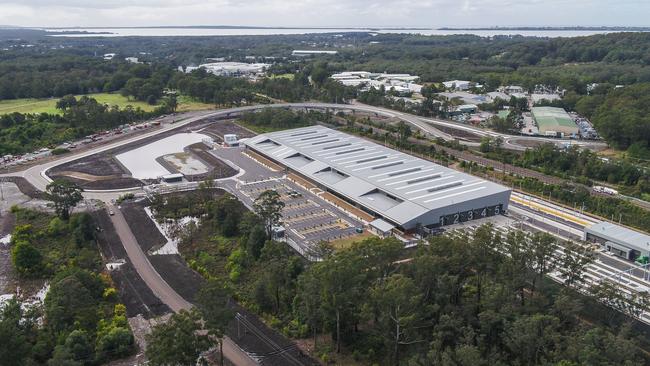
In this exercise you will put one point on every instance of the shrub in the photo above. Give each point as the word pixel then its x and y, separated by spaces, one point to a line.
pixel 117 343
pixel 56 227
pixel 59 151
pixel 124 197
pixel 27 259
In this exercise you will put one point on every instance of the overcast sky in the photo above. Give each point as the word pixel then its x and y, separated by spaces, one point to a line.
pixel 338 13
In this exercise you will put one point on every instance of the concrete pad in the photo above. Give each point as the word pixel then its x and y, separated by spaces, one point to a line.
pixel 141 162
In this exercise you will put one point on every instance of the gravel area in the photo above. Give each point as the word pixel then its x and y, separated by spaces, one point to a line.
pixel 7 274
pixel 145 231
pixel 25 187
pixel 133 291
pixel 173 269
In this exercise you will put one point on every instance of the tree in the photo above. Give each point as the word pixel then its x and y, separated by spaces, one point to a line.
pixel 532 338
pixel 543 246
pixel 484 259
pixel 72 300
pixel 268 207
pixel 255 241
pixel 65 196
pixel 611 294
pixel 399 312
pixel 518 262
pixel 404 131
pixel 77 350
pixel 575 260
pixel 117 343
pixel 16 330
pixel 308 302
pixel 66 102
pixel 499 124
pixel 178 342
pixel 342 281
pixel 83 228
pixel 27 259
pixel 213 302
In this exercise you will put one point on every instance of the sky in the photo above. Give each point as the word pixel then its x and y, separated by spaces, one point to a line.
pixel 325 13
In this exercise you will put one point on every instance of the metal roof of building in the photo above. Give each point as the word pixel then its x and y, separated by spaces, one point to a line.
pixel 382 225
pixel 396 185
pixel 554 119
pixel 620 234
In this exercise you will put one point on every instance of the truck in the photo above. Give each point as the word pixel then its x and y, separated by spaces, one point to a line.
pixel 605 190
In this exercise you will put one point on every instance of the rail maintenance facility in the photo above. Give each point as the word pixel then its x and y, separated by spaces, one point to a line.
pixel 619 240
pixel 398 189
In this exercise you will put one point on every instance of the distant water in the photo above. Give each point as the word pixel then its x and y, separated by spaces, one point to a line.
pixel 195 32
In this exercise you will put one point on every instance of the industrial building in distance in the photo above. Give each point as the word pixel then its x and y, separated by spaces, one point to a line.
pixel 400 83
pixel 397 189
pixel 231 68
pixel 553 121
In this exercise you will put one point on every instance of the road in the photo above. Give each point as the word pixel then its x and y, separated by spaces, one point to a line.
pixel 160 288
pixel 427 125
pixel 37 176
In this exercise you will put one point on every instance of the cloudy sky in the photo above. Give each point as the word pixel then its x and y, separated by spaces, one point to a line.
pixel 338 13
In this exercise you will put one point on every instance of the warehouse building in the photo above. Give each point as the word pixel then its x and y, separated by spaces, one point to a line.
pixel 395 188
pixel 312 52
pixel 618 240
pixel 553 121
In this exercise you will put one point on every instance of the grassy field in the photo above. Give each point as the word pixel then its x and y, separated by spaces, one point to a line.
pixel 347 242
pixel 49 105
pixel 282 76
pixel 186 104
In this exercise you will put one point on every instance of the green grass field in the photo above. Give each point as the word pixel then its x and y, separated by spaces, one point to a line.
pixel 49 105
pixel 282 76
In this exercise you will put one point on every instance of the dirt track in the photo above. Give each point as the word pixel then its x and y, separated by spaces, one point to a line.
pixel 25 187
pixel 134 293
pixel 146 233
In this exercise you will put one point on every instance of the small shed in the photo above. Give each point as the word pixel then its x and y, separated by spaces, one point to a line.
pixel 382 227
pixel 231 139
pixel 172 178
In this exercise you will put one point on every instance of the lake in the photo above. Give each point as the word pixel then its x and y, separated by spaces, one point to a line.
pixel 196 32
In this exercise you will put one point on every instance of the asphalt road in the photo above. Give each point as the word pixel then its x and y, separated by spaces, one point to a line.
pixel 37 176
pixel 427 125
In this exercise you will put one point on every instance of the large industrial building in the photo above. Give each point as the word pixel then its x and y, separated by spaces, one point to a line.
pixel 619 240
pixel 398 189
pixel 231 68
pixel 553 121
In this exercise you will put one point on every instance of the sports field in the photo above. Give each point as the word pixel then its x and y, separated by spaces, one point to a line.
pixel 49 105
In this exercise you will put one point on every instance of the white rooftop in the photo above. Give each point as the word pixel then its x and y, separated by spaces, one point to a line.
pixel 620 234
pixel 399 186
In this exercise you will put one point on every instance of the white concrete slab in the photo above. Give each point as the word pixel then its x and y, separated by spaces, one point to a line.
pixel 141 162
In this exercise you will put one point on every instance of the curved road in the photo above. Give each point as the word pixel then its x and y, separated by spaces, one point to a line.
pixel 36 174
pixel 510 141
